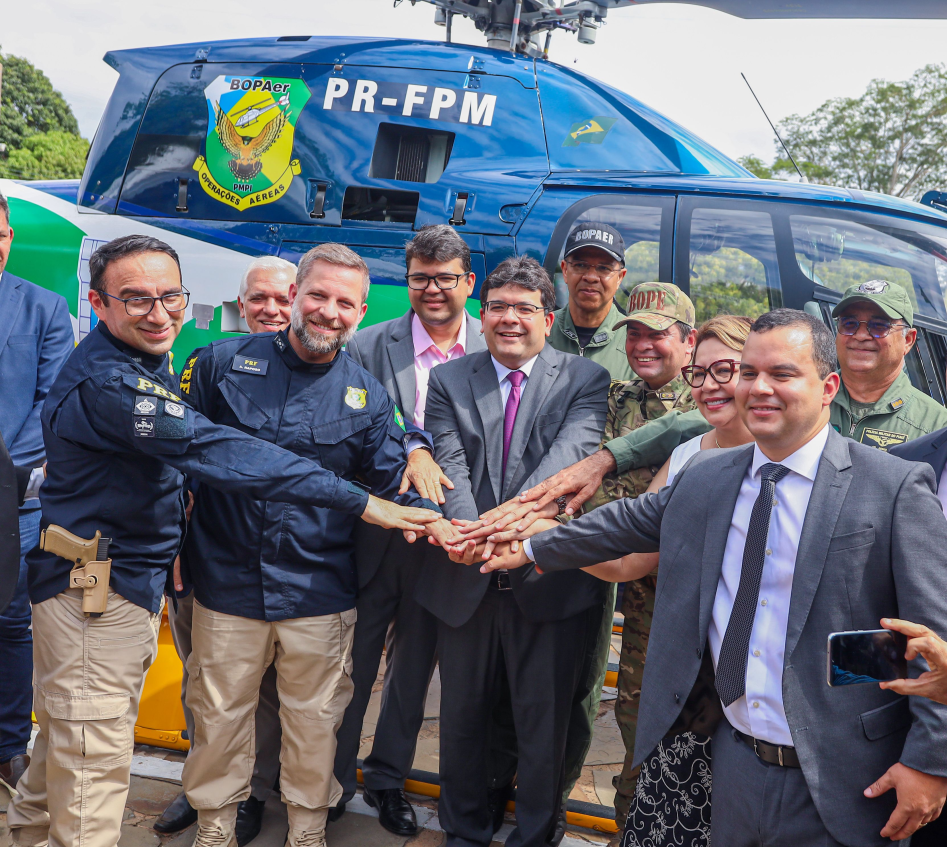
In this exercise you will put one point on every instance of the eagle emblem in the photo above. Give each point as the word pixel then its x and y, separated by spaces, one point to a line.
pixel 247 151
pixel 251 123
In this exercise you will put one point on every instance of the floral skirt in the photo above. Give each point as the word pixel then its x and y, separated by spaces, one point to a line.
pixel 671 806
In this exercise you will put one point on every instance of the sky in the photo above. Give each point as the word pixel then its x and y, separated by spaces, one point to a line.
pixel 684 61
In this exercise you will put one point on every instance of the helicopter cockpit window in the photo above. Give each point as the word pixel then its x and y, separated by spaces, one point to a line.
pixel 640 227
pixel 837 253
pixel 732 266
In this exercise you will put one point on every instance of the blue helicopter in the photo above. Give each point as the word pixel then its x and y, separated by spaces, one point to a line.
pixel 242 148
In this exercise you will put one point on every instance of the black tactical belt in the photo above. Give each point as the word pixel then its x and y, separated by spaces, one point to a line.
pixel 772 754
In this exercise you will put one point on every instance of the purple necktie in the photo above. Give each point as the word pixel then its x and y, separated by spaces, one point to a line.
pixel 509 415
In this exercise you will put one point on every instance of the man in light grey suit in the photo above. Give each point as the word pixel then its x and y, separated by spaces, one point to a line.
pixel 400 354
pixel 501 420
pixel 765 550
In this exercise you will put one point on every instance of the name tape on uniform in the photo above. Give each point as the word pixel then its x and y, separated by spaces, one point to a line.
pixel 452 105
pixel 250 366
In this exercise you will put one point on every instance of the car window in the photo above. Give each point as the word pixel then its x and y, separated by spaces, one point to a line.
pixel 836 252
pixel 732 266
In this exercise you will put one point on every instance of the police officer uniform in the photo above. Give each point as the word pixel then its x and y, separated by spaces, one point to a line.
pixel 277 582
pixel 119 440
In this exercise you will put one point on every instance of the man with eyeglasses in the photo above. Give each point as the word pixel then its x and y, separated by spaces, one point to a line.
pixel 876 404
pixel 593 266
pixel 119 440
pixel 500 419
pixel 400 353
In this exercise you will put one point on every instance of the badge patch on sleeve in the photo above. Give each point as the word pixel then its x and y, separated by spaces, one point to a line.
pixel 249 365
pixel 171 421
pixel 355 398
pixel 144 427
pixel 399 418
pixel 882 439
pixel 145 406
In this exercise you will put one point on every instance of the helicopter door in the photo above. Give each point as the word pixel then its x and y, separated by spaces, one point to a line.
pixel 389 292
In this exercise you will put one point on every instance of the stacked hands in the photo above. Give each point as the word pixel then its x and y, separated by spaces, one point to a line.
pixel 494 541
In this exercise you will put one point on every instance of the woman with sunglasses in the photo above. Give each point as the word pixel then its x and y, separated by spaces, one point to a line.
pixel 671 805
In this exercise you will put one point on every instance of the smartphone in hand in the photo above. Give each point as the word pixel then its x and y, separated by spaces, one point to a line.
pixel 863 656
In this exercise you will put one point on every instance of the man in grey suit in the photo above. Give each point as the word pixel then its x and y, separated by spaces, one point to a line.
pixel 765 550
pixel 400 354
pixel 501 420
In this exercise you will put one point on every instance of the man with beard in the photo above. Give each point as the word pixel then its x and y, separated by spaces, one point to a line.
pixel 277 584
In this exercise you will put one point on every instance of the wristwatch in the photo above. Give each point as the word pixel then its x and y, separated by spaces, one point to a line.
pixel 561 503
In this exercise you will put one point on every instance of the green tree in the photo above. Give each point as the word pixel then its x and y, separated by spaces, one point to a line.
pixel 756 166
pixel 47 155
pixel 29 104
pixel 892 139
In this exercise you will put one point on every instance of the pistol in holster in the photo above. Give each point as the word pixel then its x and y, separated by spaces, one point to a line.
pixel 91 565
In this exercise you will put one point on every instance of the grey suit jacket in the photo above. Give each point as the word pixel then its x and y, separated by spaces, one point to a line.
pixel 873 545
pixel 386 351
pixel 930 448
pixel 560 420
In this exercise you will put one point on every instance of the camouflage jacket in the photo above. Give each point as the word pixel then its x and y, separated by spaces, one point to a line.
pixel 630 406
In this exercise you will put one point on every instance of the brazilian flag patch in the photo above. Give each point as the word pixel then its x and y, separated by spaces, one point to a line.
pixel 590 131
pixel 399 418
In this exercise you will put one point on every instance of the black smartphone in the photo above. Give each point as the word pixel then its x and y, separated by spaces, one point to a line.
pixel 873 655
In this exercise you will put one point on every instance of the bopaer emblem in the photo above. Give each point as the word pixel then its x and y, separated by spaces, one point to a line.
pixel 874 286
pixel 355 397
pixel 247 159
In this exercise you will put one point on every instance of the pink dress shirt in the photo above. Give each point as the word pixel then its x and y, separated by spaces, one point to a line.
pixel 426 355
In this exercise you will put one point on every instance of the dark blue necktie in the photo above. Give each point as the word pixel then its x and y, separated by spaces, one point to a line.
pixel 731 664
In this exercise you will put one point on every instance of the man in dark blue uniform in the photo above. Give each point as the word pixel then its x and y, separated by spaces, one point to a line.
pixel 274 581
pixel 119 440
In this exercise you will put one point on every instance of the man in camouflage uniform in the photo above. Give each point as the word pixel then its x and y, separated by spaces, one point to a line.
pixel 660 342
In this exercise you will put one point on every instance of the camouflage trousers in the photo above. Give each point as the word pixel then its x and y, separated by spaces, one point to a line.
pixel 638 608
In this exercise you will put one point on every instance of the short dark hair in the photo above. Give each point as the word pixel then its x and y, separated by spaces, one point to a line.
pixel 522 271
pixel 683 329
pixel 4 208
pixel 121 248
pixel 823 343
pixel 437 243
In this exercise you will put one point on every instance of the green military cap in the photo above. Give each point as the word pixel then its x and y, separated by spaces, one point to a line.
pixel 657 305
pixel 890 297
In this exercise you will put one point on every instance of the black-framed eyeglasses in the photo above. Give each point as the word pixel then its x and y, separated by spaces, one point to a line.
pixel 600 270
pixel 445 282
pixel 877 327
pixel 498 308
pixel 722 372
pixel 138 307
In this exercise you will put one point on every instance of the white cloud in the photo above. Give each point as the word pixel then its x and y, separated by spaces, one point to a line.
pixel 685 61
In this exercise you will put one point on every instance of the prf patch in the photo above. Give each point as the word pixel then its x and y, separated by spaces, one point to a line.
pixel 249 365
pixel 882 439
pixel 146 386
pixel 355 397
pixel 168 421
pixel 186 374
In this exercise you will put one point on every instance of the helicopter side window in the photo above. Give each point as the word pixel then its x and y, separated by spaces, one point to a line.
pixel 640 226
pixel 732 265
pixel 838 252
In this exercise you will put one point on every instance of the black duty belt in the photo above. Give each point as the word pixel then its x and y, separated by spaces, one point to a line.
pixel 500 581
pixel 772 754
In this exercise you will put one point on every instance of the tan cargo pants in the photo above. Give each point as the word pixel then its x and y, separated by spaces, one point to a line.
pixel 87 680
pixel 229 655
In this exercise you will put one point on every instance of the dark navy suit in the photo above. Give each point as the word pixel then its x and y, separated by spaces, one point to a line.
pixel 36 337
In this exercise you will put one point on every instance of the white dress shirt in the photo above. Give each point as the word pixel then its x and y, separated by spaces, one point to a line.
pixel 760 711
pixel 503 372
